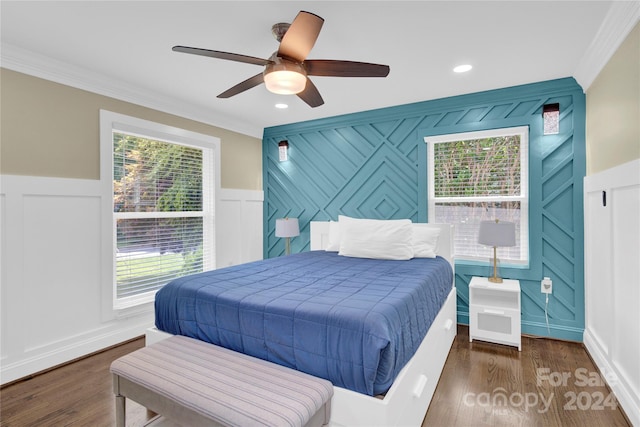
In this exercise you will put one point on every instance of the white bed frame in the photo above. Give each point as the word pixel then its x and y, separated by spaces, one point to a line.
pixel 407 401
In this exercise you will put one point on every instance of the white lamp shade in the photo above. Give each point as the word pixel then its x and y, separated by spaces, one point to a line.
pixel 497 234
pixel 287 227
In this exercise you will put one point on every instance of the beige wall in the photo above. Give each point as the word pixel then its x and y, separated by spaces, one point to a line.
pixel 613 109
pixel 49 129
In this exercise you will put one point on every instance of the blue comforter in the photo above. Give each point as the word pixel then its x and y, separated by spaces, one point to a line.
pixel 353 321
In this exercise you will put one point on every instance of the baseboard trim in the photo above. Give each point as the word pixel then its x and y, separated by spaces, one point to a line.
pixel 539 330
pixel 77 359
pixel 40 363
pixel 629 404
pixel 567 333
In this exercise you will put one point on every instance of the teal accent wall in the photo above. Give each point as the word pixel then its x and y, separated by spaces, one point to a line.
pixel 373 164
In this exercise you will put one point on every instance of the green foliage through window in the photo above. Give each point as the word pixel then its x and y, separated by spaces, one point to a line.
pixel 480 176
pixel 155 176
pixel 478 167
pixel 158 204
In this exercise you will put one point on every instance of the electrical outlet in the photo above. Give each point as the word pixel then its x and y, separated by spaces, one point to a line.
pixel 546 285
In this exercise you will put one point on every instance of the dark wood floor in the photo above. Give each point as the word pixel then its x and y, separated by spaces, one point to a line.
pixel 77 394
pixel 549 383
pixel 482 384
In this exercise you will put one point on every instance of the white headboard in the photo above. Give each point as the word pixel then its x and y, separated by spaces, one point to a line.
pixel 319 234
pixel 320 239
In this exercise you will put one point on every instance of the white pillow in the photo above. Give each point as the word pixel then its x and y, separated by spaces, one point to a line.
pixel 377 239
pixel 334 237
pixel 425 240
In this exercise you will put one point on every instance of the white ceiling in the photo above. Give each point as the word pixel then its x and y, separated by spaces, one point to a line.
pixel 123 49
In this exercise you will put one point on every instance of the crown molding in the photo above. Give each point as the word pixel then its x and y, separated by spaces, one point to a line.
pixel 616 26
pixel 44 67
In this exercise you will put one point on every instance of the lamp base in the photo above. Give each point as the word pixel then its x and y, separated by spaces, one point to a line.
pixel 495 278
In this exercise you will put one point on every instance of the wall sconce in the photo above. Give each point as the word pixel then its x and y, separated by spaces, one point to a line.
pixel 551 119
pixel 283 151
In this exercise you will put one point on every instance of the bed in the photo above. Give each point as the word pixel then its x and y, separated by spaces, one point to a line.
pixel 387 375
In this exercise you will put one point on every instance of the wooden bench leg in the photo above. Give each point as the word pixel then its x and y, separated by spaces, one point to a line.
pixel 121 411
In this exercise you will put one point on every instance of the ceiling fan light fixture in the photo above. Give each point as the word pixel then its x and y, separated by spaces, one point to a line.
pixel 285 78
pixel 286 70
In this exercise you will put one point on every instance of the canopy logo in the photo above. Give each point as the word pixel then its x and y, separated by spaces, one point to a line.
pixel 595 400
pixel 498 399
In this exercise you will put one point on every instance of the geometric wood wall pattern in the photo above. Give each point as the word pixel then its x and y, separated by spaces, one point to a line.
pixel 373 164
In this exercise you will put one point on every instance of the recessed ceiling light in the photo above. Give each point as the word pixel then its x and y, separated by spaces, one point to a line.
pixel 282 106
pixel 462 68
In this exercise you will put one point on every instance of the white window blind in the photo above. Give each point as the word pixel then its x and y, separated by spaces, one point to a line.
pixel 160 183
pixel 480 176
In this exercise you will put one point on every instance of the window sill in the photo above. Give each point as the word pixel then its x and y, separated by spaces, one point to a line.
pixel 524 265
pixel 134 306
pixel 138 310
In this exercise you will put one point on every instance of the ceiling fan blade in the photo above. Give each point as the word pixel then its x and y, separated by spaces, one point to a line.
pixel 310 95
pixel 301 36
pixel 221 55
pixel 328 67
pixel 242 86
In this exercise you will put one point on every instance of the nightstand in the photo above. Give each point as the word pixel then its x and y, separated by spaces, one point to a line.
pixel 494 311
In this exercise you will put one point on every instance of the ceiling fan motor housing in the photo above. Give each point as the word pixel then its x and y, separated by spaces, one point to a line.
pixel 278 30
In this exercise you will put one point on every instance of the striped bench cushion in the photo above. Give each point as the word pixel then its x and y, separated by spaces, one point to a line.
pixel 227 387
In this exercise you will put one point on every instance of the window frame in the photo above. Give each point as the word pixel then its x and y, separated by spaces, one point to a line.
pixel 523 198
pixel 110 123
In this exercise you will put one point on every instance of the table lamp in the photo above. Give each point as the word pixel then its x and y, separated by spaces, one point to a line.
pixel 287 227
pixel 497 234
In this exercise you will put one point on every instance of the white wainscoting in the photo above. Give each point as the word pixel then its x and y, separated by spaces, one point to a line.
pixel 241 242
pixel 612 280
pixel 51 291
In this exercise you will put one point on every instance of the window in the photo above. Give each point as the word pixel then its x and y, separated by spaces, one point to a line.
pixel 161 186
pixel 479 176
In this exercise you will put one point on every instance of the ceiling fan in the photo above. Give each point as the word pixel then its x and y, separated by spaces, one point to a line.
pixel 287 70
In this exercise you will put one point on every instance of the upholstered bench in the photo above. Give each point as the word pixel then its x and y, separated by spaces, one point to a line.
pixel 194 383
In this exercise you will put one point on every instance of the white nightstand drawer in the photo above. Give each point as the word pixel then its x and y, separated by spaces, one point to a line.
pixel 491 323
